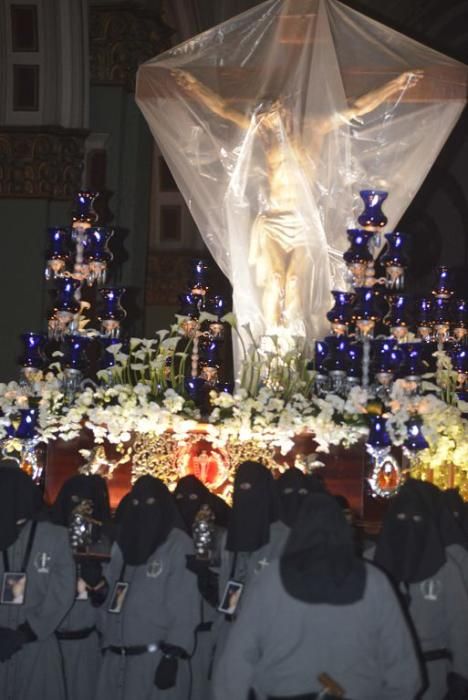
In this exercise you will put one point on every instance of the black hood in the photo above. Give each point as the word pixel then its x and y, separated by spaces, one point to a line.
pixel 454 518
pixel 410 547
pixel 254 508
pixel 79 490
pixel 147 519
pixel 20 499
pixel 293 487
pixel 319 564
pixel 191 494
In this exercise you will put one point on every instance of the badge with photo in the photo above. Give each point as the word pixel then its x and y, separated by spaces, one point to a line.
pixel 13 588
pixel 231 597
pixel 118 597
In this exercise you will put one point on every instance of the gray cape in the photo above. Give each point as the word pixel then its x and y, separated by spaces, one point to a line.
pixel 161 605
pixel 439 610
pixel 36 670
pixel 279 645
pixel 249 568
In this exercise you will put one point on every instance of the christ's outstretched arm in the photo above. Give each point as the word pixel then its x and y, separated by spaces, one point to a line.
pixel 210 99
pixel 367 103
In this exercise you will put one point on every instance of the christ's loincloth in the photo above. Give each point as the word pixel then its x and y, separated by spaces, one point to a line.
pixel 286 228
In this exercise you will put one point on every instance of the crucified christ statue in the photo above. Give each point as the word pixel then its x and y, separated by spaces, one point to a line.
pixel 278 242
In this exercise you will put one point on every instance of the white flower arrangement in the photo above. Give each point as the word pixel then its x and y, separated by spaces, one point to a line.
pixel 144 393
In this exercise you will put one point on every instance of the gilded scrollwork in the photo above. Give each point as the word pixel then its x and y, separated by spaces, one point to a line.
pixel 43 163
pixel 122 36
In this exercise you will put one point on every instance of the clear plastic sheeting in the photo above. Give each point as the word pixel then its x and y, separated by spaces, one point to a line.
pixel 273 121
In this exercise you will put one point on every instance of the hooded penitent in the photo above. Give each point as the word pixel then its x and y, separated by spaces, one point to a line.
pixel 82 493
pixel 410 546
pixel 293 487
pixel 147 519
pixel 254 508
pixel 445 506
pixel 455 516
pixel 191 494
pixel 20 500
pixel 319 564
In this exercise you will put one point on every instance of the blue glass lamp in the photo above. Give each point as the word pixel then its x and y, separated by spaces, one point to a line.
pixel 112 313
pixel 395 260
pixel 365 310
pixel 378 435
pixel 341 314
pixel 460 319
pixel 423 317
pixel 97 253
pixel 415 440
pixel 58 253
pixel 443 287
pixel 372 217
pixel 33 357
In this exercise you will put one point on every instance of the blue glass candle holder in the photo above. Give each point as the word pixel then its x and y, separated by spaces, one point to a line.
pixel 441 316
pixel 443 287
pixel 66 305
pixel 216 306
pixel 209 361
pixel 97 253
pixel 112 312
pixel 386 356
pixel 460 319
pixel 441 312
pixel 196 388
pixel 412 366
pixel 76 357
pixel 337 356
pixel 460 359
pixel 372 217
pixel 58 253
pixel 84 214
pixel 378 435
pixel 189 305
pixel 354 360
pixel 415 440
pixel 399 315
pixel 225 387
pixel 27 423
pixel 321 352
pixel 340 314
pixel 365 309
pixel 199 282
pixel 358 252
pixel 394 260
pixel 209 354
pixel 33 356
pixel 423 317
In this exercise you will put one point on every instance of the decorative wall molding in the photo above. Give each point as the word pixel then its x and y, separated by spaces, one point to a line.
pixel 122 36
pixel 45 162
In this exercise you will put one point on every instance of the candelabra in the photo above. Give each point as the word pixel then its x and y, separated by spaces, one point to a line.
pixel 78 259
pixel 379 334
pixel 202 324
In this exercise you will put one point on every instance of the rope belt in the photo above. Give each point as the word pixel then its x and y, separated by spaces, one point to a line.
pixel 436 654
pixel 307 696
pixel 134 650
pixel 74 634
